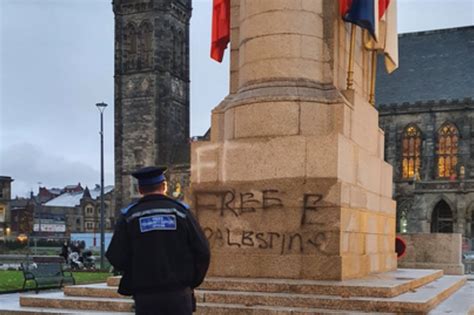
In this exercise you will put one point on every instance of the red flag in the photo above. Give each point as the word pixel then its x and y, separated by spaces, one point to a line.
pixel 383 5
pixel 344 6
pixel 220 28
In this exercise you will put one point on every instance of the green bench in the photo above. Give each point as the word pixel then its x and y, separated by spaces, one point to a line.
pixel 50 275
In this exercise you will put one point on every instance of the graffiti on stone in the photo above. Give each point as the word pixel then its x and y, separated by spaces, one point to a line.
pixel 283 243
pixel 237 204
pixel 240 203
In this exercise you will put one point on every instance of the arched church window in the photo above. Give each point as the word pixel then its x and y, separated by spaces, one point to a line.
pixel 146 44
pixel 442 218
pixel 411 152
pixel 174 40
pixel 131 47
pixel 448 137
pixel 177 52
pixel 183 56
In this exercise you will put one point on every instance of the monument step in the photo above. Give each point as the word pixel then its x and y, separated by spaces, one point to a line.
pixel 60 301
pixel 53 311
pixel 387 284
pixel 101 290
pixel 56 303
pixel 240 309
pixel 420 300
pixel 113 281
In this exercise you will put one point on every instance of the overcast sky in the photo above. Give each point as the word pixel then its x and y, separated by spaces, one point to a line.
pixel 56 63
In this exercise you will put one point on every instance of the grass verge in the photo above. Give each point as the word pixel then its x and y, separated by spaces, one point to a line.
pixel 13 280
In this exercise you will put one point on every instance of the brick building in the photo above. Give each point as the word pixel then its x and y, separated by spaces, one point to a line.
pixel 80 210
pixel 22 212
pixel 427 113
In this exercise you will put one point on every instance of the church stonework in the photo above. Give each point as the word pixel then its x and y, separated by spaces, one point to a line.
pixel 151 88
pixel 437 196
pixel 427 113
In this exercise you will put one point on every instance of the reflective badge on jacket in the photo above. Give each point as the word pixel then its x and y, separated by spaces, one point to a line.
pixel 158 222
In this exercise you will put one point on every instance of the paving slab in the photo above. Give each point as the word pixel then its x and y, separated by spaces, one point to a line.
pixel 459 303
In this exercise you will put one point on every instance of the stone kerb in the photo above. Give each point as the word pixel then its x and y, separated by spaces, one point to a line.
pixel 434 251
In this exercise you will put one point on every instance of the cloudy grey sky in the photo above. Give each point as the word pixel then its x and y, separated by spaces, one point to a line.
pixel 56 62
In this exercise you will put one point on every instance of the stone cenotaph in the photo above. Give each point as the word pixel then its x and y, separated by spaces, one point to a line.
pixel 292 183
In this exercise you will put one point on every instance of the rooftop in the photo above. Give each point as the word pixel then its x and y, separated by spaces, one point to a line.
pixel 433 65
pixel 73 199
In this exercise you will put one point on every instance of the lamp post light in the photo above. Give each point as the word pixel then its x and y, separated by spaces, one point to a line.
pixel 101 107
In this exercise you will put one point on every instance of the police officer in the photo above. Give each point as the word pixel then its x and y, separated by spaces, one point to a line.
pixel 160 249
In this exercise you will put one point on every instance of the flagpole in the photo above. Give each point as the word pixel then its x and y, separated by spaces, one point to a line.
pixel 350 71
pixel 373 77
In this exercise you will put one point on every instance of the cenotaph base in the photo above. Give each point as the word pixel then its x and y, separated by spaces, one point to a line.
pixel 292 183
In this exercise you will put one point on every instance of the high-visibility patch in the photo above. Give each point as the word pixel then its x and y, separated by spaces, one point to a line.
pixel 158 223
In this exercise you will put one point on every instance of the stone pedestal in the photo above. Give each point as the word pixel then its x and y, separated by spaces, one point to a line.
pixel 292 183
pixel 433 251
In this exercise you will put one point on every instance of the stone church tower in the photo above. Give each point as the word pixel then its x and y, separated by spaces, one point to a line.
pixel 151 88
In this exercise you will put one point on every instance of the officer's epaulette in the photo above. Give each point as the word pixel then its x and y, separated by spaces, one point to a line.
pixel 130 206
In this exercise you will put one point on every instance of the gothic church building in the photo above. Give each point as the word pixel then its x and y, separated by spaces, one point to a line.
pixel 426 110
pixel 151 89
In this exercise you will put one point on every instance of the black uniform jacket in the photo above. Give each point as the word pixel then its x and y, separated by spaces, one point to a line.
pixel 159 246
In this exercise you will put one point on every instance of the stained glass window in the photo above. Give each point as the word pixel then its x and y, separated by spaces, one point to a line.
pixel 448 137
pixel 411 152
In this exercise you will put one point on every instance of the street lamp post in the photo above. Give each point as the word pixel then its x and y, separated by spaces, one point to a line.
pixel 101 107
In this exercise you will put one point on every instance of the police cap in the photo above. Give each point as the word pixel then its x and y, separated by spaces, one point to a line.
pixel 150 175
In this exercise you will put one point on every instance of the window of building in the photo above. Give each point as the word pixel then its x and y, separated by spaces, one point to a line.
pixel 411 152
pixel 442 218
pixel 131 48
pixel 89 225
pixel 146 44
pixel 89 210
pixel 472 226
pixel 448 137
